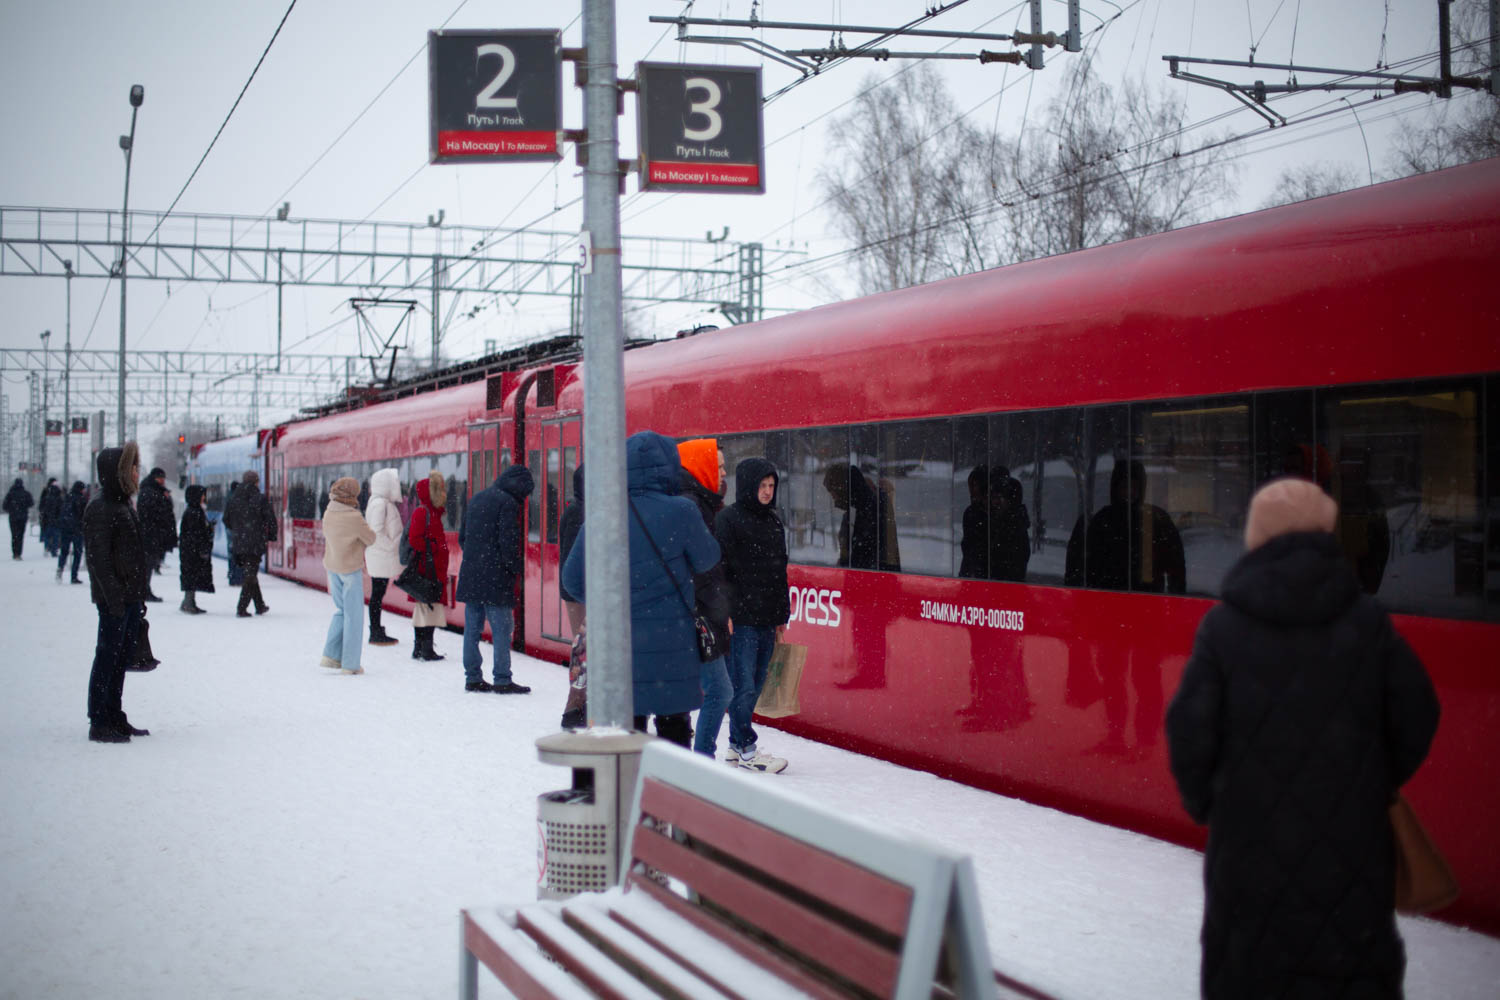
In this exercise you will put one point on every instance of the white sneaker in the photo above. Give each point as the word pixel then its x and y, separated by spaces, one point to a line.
pixel 356 670
pixel 734 756
pixel 330 663
pixel 763 762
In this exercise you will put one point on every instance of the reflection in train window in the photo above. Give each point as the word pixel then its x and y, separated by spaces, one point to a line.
pixel 815 485
pixel 915 485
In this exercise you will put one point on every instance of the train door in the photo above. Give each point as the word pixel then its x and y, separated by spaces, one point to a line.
pixel 482 457
pixel 276 494
pixel 554 491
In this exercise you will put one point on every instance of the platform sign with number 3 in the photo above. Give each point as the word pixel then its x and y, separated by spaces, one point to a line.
pixel 494 96
pixel 700 128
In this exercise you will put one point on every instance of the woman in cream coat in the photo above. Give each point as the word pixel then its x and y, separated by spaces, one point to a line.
pixel 345 538
pixel 383 513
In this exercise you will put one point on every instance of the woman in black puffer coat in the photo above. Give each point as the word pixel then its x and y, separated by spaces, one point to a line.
pixel 1300 714
pixel 195 543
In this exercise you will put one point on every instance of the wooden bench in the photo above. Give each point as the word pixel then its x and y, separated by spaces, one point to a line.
pixel 736 889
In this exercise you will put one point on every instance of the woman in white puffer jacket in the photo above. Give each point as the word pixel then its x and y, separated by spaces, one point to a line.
pixel 383 513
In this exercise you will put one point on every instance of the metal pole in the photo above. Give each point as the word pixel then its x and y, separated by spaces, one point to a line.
pixel 46 374
pixel 279 280
pixel 67 376
pixel 606 539
pixel 137 95
pixel 437 263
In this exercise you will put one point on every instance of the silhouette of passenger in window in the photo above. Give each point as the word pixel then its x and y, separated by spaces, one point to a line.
pixel 1363 529
pixel 1129 544
pixel 866 511
pixel 859 530
pixel 995 543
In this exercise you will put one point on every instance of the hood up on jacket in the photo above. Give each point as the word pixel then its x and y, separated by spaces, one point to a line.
pixel 1296 579
pixel 195 495
pixel 78 487
pixel 517 481
pixel 651 464
pixel 747 477
pixel 386 483
pixel 430 495
pixel 700 459
pixel 110 467
pixel 578 484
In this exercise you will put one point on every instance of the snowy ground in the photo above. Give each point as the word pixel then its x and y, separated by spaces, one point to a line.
pixel 286 831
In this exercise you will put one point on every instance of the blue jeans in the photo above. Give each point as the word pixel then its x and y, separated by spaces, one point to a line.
pixel 716 694
pixel 69 540
pixel 502 620
pixel 346 632
pixel 749 655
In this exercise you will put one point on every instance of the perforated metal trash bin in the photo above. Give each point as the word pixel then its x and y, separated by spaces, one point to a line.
pixel 580 828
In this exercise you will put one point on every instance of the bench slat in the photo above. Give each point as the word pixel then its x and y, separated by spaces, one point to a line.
pixel 725 934
pixel 663 969
pixel 836 947
pixel 514 960
pixel 858 891
pixel 580 958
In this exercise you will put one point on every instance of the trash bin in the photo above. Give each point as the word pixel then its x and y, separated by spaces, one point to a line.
pixel 580 829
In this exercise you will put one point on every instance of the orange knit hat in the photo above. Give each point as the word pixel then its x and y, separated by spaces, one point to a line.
pixel 700 457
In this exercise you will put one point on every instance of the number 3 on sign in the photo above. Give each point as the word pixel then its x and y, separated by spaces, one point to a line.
pixel 704 108
pixel 487 98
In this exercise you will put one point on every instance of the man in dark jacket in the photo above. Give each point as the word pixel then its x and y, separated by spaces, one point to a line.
pixel 1300 714
pixel 117 583
pixel 48 510
pixel 70 529
pixel 754 545
pixel 158 526
pixel 490 538
pixel 248 514
pixel 17 504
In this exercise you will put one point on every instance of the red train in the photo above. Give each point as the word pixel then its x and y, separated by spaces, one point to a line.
pixel 947 448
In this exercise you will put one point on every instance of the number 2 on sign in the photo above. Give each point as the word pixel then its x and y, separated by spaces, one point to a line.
pixel 704 108
pixel 487 98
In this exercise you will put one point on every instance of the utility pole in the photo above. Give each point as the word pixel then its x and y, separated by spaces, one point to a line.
pixel 67 370
pixel 46 336
pixel 611 700
pixel 127 143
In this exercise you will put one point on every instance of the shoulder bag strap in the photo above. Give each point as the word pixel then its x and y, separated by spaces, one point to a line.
pixel 676 587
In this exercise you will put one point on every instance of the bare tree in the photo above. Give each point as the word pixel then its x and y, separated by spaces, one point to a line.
pixel 1465 127
pixel 1310 180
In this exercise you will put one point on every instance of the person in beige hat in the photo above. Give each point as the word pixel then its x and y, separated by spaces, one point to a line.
pixel 1300 714
pixel 345 537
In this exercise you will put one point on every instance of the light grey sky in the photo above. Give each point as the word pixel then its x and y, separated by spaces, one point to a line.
pixel 66 68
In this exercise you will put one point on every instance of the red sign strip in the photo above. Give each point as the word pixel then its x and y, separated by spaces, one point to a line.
pixel 707 174
pixel 495 143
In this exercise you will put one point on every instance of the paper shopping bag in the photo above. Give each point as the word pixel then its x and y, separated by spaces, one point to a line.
pixel 779 696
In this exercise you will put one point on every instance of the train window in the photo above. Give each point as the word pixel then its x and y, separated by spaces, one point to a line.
pixel 1099 550
pixel 816 490
pixel 451 467
pixel 1042 451
pixel 533 508
pixel 504 460
pixel 1492 488
pixel 915 483
pixel 1011 448
pixel 553 506
pixel 569 466
pixel 868 536
pixel 1191 516
pixel 1284 439
pixel 969 512
pixel 1404 465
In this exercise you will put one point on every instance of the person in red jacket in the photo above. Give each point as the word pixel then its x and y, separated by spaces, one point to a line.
pixel 429 546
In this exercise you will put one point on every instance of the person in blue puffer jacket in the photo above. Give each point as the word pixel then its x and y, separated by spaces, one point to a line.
pixel 664 647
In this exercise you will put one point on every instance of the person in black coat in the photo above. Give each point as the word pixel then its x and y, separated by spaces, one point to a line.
pixel 753 542
pixel 17 504
pixel 491 540
pixel 48 510
pixel 158 526
pixel 567 534
pixel 118 585
pixel 1300 714
pixel 195 560
pixel 248 515
pixel 70 529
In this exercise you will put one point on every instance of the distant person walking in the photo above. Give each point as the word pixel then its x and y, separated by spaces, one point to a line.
pixel 17 504
pixel 117 583
pixel 70 529
pixel 48 510
pixel 345 538
pixel 1300 714
pixel 755 560
pixel 382 557
pixel 490 538
pixel 703 483
pixel 158 526
pixel 248 515
pixel 668 545
pixel 195 551
pixel 429 544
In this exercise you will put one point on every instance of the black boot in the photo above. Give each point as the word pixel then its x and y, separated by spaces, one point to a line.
pixel 378 635
pixel 424 649
pixel 189 605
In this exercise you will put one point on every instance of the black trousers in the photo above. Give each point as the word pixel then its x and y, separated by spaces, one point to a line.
pixel 676 728
pixel 113 651
pixel 69 540
pixel 250 586
pixel 378 585
pixel 17 534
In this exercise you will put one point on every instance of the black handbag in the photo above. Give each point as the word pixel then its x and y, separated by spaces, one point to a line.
pixel 423 588
pixel 708 640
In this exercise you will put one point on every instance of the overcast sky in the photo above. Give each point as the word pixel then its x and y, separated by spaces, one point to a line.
pixel 335 123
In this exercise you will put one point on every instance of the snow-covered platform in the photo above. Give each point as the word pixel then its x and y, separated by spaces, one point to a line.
pixel 288 831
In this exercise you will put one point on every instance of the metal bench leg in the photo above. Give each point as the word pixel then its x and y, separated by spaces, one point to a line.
pixel 468 969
